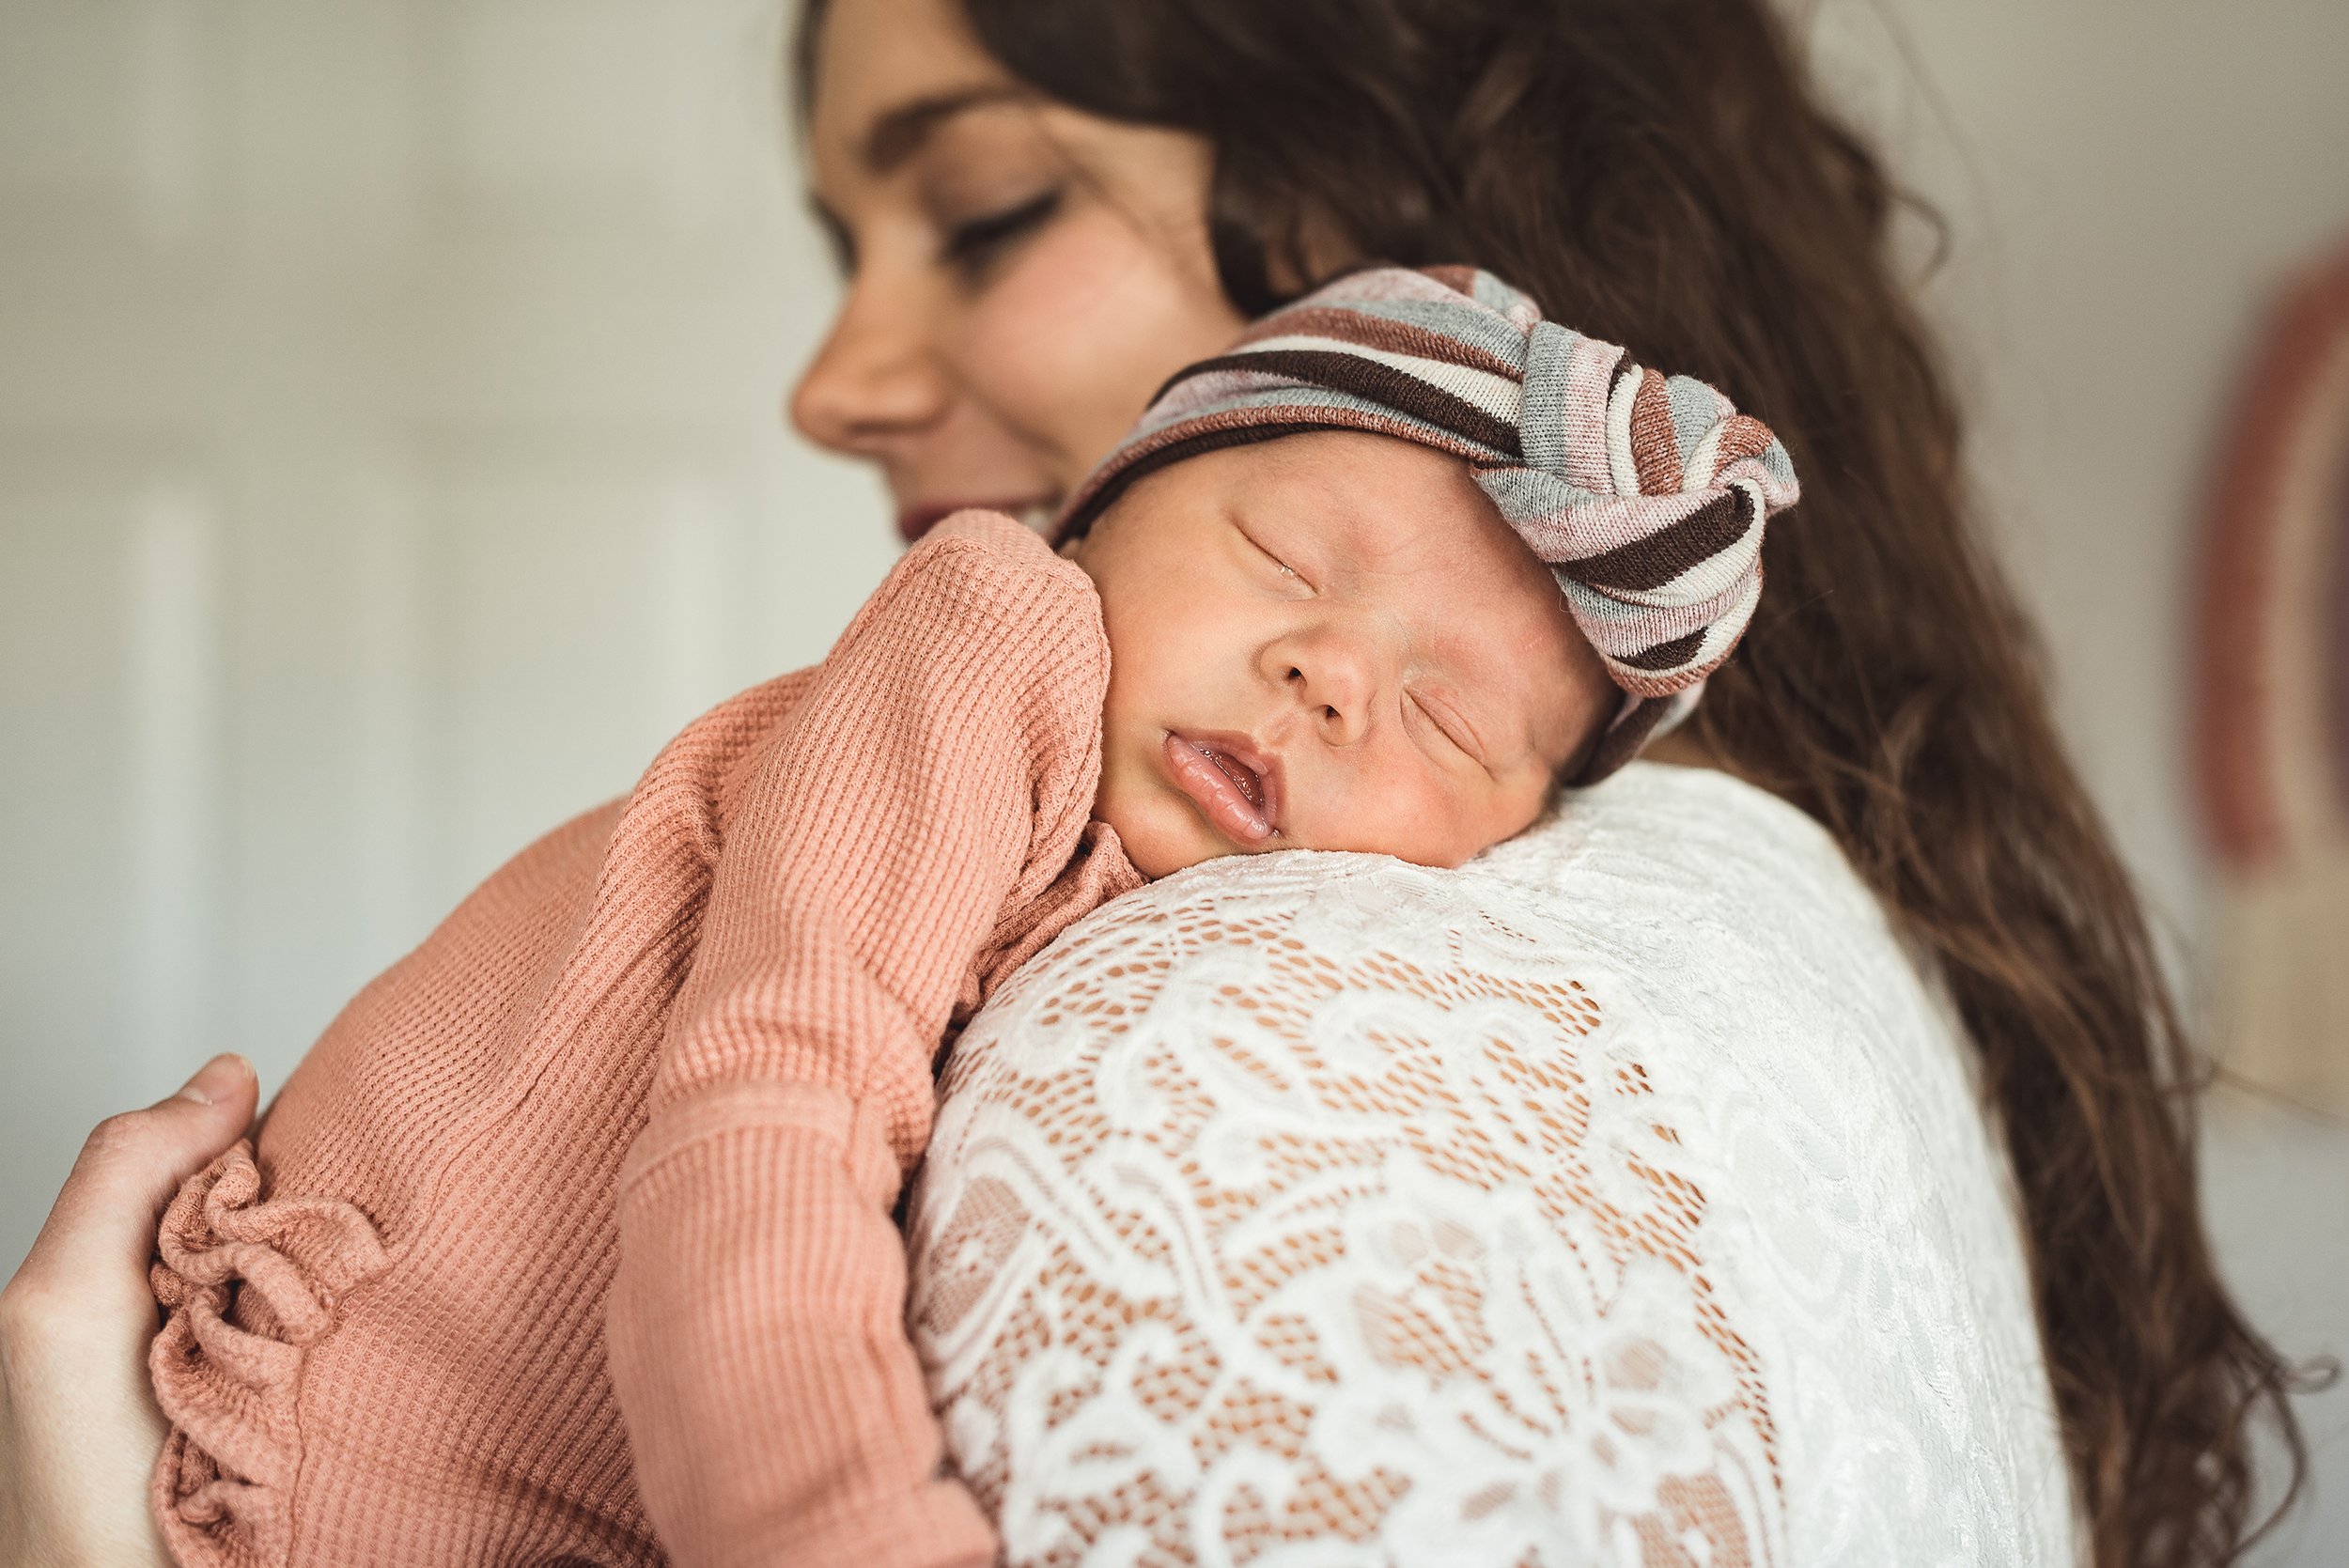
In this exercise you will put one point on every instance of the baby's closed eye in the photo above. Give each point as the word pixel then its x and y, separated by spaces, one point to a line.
pixel 1447 723
pixel 1273 558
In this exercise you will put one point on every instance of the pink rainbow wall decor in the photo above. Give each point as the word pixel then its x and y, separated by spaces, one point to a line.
pixel 2271 694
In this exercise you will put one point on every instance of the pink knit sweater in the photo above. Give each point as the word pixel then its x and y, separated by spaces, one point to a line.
pixel 575 1226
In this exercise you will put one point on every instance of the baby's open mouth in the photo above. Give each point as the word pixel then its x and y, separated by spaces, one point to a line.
pixel 1231 782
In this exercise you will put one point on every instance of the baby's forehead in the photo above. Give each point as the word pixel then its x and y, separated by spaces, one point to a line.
pixel 1388 497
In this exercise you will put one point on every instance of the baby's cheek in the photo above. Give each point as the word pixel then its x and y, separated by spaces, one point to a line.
pixel 1451 827
pixel 1512 811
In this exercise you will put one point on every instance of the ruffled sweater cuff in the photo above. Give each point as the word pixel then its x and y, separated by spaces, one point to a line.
pixel 249 1284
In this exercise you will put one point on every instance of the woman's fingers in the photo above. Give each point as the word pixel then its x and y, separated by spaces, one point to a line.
pixel 92 1252
pixel 78 1429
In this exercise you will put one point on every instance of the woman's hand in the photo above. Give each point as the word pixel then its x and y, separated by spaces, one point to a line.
pixel 79 1430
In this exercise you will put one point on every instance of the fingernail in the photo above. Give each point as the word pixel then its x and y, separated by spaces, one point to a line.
pixel 216 1077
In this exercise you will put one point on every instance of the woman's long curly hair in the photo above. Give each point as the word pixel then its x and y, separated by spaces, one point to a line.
pixel 1661 173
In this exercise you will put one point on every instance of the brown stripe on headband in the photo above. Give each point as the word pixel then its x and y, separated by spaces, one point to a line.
pixel 1220 430
pixel 1742 436
pixel 1624 366
pixel 1621 740
pixel 1652 562
pixel 1383 333
pixel 1665 655
pixel 1373 382
pixel 1655 449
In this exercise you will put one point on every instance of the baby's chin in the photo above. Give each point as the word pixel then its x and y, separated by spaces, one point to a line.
pixel 1163 834
pixel 1158 830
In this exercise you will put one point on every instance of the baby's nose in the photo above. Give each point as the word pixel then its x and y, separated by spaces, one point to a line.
pixel 1335 678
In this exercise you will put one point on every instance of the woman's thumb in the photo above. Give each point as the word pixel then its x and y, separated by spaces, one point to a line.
pixel 173 1138
pixel 223 1078
pixel 103 1225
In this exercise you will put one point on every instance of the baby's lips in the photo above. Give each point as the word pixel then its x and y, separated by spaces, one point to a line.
pixel 1190 761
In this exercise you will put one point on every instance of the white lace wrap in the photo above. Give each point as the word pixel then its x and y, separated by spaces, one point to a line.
pixel 1619 1198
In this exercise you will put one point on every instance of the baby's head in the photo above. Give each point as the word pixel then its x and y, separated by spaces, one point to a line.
pixel 1405 560
pixel 1330 642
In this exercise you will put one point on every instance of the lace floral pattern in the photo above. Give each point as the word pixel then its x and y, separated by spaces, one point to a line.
pixel 1325 1209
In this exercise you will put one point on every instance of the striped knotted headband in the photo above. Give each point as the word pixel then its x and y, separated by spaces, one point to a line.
pixel 1645 494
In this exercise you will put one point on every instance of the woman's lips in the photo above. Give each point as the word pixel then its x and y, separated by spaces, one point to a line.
pixel 1237 787
pixel 914 521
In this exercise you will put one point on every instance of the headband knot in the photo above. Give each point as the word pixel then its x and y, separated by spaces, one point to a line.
pixel 1644 494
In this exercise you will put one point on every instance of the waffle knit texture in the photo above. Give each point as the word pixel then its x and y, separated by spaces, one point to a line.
pixel 576 1224
pixel 1645 494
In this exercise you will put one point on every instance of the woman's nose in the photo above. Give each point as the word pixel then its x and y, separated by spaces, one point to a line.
pixel 1332 674
pixel 873 381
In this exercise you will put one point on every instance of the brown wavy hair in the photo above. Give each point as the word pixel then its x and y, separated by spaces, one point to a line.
pixel 1662 173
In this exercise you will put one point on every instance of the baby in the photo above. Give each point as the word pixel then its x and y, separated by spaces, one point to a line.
pixel 576 1223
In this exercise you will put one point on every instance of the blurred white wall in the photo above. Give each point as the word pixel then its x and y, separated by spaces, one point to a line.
pixel 389 461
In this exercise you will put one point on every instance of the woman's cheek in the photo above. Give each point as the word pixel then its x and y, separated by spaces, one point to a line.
pixel 1070 342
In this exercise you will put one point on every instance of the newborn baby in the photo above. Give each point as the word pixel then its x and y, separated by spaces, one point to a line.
pixel 1331 642
pixel 576 1223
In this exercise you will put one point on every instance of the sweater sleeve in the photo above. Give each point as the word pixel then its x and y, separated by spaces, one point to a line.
pixel 938 774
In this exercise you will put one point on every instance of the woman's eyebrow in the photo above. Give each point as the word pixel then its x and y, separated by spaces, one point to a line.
pixel 899 133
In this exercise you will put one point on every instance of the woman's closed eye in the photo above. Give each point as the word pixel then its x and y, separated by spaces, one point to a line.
pixel 837 238
pixel 973 244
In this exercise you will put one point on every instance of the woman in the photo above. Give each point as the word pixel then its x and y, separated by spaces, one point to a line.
pixel 1045 208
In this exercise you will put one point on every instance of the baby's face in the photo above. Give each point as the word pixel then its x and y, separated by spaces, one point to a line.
pixel 1330 641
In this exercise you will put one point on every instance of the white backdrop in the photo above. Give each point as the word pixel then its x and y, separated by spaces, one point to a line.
pixel 389 461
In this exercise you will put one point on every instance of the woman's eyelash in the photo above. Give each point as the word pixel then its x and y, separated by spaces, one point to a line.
pixel 837 241
pixel 977 240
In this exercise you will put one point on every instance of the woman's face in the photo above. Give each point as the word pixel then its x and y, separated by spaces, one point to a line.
pixel 1022 277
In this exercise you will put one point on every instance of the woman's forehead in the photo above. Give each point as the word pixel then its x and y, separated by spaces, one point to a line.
pixel 884 64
